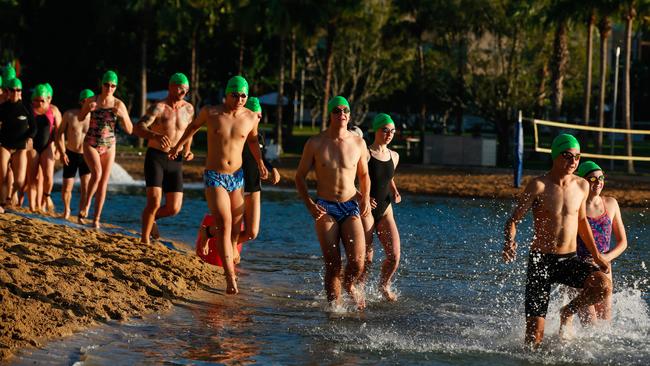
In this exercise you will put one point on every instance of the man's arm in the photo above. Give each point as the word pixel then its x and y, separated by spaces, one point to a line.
pixel 141 129
pixel 306 162
pixel 587 236
pixel 60 137
pixel 524 203
pixel 199 121
pixel 364 179
pixel 254 146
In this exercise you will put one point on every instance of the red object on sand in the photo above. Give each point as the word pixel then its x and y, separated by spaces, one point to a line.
pixel 213 256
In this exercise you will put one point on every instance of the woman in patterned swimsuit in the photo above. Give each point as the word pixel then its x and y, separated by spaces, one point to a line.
pixel 99 144
pixel 604 218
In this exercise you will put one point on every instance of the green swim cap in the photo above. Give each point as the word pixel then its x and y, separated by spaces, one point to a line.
pixel 586 168
pixel 254 104
pixel 14 83
pixel 50 91
pixel 381 120
pixel 563 143
pixel 335 102
pixel 179 79
pixel 0 81
pixel 86 93
pixel 39 91
pixel 109 77
pixel 8 73
pixel 237 84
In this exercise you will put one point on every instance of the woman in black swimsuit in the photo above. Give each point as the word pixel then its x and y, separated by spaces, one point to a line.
pixel 40 170
pixel 381 166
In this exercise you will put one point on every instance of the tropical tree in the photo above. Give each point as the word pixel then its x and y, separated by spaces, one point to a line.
pixel 605 10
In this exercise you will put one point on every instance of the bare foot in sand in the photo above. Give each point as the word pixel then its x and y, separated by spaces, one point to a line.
pixel 154 231
pixel 359 297
pixel 566 324
pixel 81 218
pixel 231 286
pixel 2 210
pixel 388 294
pixel 96 224
pixel 236 258
pixel 204 236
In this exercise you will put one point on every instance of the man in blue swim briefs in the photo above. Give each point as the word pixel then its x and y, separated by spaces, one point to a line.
pixel 558 201
pixel 338 156
pixel 229 127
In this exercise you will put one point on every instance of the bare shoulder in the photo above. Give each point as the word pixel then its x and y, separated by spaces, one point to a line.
pixel 394 154
pixel 315 140
pixel 55 109
pixel 70 114
pixel 581 182
pixel 537 185
pixel 610 203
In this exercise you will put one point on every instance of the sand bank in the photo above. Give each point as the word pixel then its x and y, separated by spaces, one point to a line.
pixel 57 279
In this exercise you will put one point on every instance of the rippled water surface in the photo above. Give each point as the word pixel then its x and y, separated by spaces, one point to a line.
pixel 458 303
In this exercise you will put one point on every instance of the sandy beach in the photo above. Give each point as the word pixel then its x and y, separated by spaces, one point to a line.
pixel 57 279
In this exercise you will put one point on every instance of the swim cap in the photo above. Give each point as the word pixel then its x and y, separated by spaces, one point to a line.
pixel 381 120
pixel 14 83
pixel 179 79
pixel 586 168
pixel 86 93
pixel 335 102
pixel 563 143
pixel 0 81
pixel 8 73
pixel 50 91
pixel 253 104
pixel 237 84
pixel 109 77
pixel 39 91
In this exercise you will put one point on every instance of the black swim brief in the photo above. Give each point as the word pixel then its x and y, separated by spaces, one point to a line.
pixel 160 171
pixel 544 270
pixel 75 162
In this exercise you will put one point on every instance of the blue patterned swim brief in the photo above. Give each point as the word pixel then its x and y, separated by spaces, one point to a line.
pixel 339 210
pixel 229 182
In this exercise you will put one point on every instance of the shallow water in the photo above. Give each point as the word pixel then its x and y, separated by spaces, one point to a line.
pixel 458 303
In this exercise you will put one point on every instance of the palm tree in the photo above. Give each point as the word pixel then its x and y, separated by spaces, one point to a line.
pixel 605 28
pixel 591 21
pixel 629 15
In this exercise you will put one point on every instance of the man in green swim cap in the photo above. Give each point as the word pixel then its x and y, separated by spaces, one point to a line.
pixel 338 157
pixel 229 127
pixel 163 125
pixel 70 140
pixel 558 201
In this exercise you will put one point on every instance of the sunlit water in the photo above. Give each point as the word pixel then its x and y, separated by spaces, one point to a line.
pixel 458 303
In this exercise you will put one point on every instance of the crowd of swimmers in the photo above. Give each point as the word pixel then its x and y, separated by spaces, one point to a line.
pixel 355 188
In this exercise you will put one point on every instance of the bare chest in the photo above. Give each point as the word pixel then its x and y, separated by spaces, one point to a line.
pixel 560 201
pixel 334 154
pixel 227 129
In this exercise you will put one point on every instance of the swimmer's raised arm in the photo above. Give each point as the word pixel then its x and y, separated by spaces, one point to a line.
pixel 141 129
pixel 125 119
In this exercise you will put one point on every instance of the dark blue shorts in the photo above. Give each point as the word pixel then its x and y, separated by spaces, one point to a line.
pixel 340 210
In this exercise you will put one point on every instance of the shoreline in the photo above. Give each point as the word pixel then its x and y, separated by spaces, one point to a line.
pixel 629 191
pixel 59 279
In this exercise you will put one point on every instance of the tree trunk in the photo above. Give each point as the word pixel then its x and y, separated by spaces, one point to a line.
pixel 242 44
pixel 541 89
pixel 629 22
pixel 329 62
pixel 605 28
pixel 278 125
pixel 589 65
pixel 423 103
pixel 195 71
pixel 460 83
pixel 143 80
pixel 559 64
pixel 294 81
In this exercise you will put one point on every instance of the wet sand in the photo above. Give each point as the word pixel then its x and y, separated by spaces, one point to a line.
pixel 56 279
pixel 630 191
